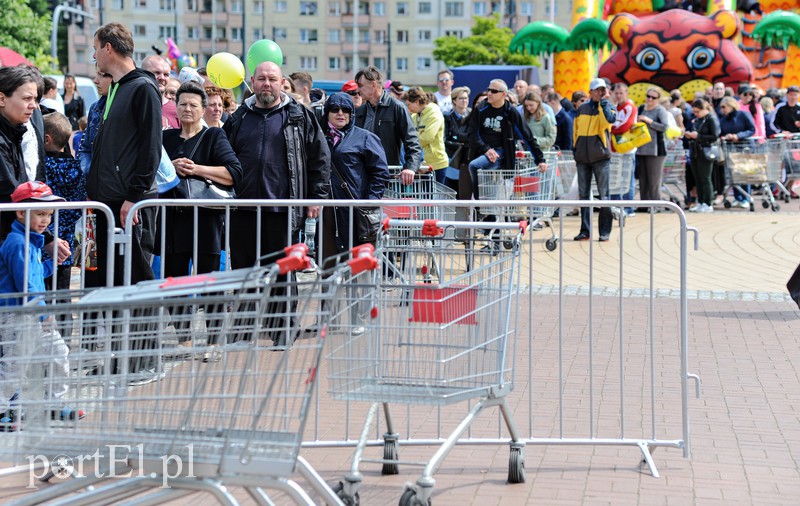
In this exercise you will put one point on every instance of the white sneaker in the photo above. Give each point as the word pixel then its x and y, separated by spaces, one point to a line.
pixel 705 209
pixel 741 203
pixel 695 207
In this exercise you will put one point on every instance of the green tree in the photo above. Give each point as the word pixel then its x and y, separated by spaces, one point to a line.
pixel 488 45
pixel 25 32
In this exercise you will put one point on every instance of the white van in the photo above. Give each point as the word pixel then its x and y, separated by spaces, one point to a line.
pixel 86 88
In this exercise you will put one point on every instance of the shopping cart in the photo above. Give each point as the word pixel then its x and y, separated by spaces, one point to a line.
pixel 234 421
pixel 783 159
pixel 747 163
pixel 424 170
pixel 566 173
pixel 525 183
pixel 674 175
pixel 436 341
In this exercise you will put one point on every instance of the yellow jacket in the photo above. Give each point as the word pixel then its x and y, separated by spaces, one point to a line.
pixel 430 129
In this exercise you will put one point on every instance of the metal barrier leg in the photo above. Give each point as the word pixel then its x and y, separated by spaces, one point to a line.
pixel 648 459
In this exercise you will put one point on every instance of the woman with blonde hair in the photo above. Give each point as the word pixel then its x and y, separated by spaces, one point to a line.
pixel 735 126
pixel 651 155
pixel 542 125
pixel 429 121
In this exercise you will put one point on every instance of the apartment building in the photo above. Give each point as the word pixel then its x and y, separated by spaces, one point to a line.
pixel 330 39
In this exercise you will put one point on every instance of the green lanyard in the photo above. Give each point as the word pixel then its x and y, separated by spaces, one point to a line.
pixel 110 100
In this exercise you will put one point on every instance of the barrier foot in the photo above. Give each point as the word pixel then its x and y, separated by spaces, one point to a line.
pixel 648 459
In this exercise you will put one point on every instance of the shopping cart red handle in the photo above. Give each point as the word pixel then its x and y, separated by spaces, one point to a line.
pixel 363 259
pixel 198 279
pixel 296 258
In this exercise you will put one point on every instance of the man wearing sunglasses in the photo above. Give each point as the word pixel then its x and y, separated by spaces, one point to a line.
pixel 444 80
pixel 495 126
pixel 591 135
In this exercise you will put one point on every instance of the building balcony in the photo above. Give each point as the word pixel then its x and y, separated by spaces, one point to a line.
pixel 207 18
pixel 348 47
pixel 361 21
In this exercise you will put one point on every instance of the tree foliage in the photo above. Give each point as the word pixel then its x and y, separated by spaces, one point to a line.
pixel 488 45
pixel 25 32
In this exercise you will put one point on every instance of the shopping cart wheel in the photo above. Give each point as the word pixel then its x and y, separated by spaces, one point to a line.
pixel 390 453
pixel 348 500
pixel 776 207
pixel 409 498
pixel 516 465
pixel 765 204
pixel 727 204
pixel 786 198
pixel 551 244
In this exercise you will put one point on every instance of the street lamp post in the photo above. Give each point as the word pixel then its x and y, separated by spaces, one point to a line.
pixel 57 12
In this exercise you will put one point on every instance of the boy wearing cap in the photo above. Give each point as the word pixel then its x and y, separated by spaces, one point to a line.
pixel 13 260
pixel 591 136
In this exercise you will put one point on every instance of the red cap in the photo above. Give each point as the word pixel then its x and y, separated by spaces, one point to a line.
pixel 34 191
pixel 350 86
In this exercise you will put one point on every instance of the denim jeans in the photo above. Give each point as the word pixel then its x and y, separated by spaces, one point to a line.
pixel 628 158
pixel 600 170
pixel 483 163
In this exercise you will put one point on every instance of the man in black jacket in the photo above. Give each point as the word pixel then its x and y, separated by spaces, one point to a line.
pixel 284 155
pixel 495 126
pixel 390 120
pixel 127 149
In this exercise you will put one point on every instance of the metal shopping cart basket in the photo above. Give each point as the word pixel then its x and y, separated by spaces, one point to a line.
pixel 747 163
pixel 781 159
pixel 674 176
pixel 566 172
pixel 235 421
pixel 525 183
pixel 436 341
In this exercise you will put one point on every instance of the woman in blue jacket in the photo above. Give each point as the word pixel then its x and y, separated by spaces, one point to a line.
pixel 359 170
pixel 736 126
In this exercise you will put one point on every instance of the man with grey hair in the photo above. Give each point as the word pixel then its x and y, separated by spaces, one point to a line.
pixel 159 67
pixel 495 125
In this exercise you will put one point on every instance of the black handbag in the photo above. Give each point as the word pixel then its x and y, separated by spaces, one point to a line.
pixel 200 188
pixel 366 220
pixel 712 153
pixel 794 286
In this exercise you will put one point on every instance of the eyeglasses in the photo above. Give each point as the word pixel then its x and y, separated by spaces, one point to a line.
pixel 352 93
pixel 492 90
pixel 651 97
pixel 444 80
pixel 337 110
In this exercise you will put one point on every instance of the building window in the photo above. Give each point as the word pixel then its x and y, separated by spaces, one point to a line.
pixel 334 63
pixel 379 9
pixel 192 33
pixel 380 37
pixel 308 8
pixel 547 10
pixel 191 5
pixel 424 8
pixel 140 4
pixel 334 9
pixel 348 64
pixel 308 36
pixel 207 33
pixel 308 63
pixel 236 33
pixel 258 7
pixel 424 36
pixel 118 5
pixel 402 8
pixel 138 56
pixel 258 34
pixel 401 64
pixel 280 6
pixel 166 32
pixel 423 63
pixel 380 62
pixel 454 9
pixel 454 33
pixel 166 5
pixel 526 9
pixel 479 8
pixel 140 30
pixel 278 34
pixel 80 55
pixel 221 6
pixel 236 6
pixel 222 33
pixel 363 10
pixel 334 36
pixel 402 36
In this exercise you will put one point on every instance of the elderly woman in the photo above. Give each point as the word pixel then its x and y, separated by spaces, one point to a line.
pixel 358 171
pixel 651 156
pixel 735 126
pixel 218 103
pixel 542 125
pixel 200 152
pixel 429 121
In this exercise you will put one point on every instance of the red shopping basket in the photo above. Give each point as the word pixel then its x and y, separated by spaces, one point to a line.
pixel 526 184
pixel 452 304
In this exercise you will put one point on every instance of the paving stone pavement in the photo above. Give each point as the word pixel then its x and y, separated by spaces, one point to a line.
pixel 743 343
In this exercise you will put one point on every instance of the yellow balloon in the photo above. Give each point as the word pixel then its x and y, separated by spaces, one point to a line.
pixel 225 70
pixel 673 132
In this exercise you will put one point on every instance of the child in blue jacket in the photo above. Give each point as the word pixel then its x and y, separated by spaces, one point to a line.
pixel 50 344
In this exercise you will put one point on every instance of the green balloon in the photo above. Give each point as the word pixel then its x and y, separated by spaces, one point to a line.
pixel 261 51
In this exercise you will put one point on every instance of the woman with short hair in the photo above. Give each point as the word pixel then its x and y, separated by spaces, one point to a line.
pixel 651 156
pixel 429 122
